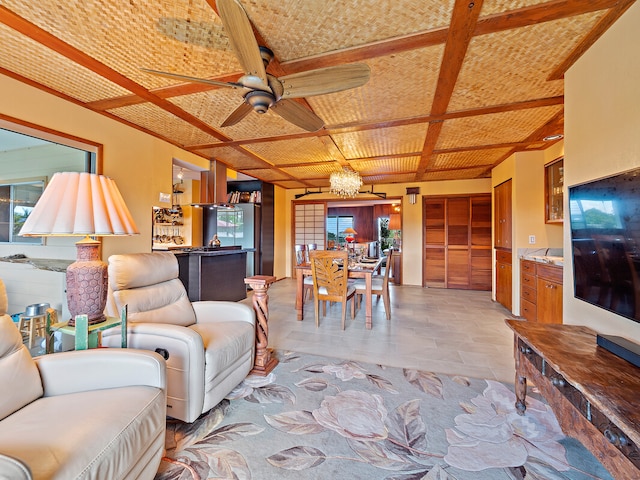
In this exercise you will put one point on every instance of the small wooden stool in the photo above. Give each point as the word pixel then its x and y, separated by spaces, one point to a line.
pixel 32 327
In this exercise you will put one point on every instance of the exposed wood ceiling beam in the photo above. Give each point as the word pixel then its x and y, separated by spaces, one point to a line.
pixel 464 18
pixel 532 15
pixel 54 43
pixel 45 38
pixel 544 12
pixel 357 127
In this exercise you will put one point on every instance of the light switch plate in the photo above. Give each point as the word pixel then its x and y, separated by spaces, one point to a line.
pixel 532 239
pixel 165 198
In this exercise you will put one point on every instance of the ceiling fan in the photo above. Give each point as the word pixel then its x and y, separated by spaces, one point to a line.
pixel 261 90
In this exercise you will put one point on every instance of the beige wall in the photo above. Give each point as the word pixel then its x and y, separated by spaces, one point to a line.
pixel 140 164
pixel 280 231
pixel 602 131
pixel 411 218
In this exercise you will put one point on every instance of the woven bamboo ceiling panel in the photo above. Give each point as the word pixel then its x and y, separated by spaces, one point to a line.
pixel 335 25
pixel 163 123
pixel 19 53
pixel 315 171
pixel 381 142
pixel 437 105
pixel 241 158
pixel 495 128
pixel 291 152
pixel 411 91
pixel 386 165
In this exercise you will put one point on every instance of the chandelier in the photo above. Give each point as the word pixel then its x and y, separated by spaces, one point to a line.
pixel 345 183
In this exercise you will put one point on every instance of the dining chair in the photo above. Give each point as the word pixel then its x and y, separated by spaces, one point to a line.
pixel 330 274
pixel 302 258
pixel 379 285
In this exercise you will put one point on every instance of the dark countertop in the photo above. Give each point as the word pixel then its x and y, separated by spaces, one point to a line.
pixel 50 264
pixel 211 251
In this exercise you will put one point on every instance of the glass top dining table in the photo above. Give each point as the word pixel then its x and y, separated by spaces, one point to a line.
pixel 358 270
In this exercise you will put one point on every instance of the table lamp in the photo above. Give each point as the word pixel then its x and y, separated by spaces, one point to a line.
pixel 350 234
pixel 87 205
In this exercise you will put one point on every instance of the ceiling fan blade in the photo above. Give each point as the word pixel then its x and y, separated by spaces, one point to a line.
pixel 192 79
pixel 298 115
pixel 238 114
pixel 325 80
pixel 241 37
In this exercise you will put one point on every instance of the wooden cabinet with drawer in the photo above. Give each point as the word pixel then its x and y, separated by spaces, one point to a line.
pixel 528 294
pixel 540 292
pixel 549 293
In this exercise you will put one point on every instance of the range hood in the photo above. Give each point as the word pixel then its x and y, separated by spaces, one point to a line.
pixel 213 187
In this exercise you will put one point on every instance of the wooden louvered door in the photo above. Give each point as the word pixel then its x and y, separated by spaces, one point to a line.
pixel 457 242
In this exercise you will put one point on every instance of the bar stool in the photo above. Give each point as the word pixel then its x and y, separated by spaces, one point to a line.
pixel 33 322
pixel 32 326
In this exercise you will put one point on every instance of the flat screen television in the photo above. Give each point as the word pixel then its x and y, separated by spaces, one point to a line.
pixel 605 238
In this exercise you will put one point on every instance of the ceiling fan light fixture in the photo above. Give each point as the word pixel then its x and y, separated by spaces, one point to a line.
pixel 345 183
pixel 259 100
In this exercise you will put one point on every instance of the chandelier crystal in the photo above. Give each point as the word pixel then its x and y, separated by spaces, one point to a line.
pixel 345 183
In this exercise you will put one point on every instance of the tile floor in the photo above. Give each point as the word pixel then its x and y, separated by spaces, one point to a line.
pixel 444 331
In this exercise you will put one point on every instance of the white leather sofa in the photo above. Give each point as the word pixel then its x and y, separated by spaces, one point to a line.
pixel 94 414
pixel 208 345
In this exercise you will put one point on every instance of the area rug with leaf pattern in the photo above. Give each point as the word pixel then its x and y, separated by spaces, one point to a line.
pixel 322 418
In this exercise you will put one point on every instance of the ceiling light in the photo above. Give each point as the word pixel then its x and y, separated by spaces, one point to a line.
pixel 345 183
pixel 550 138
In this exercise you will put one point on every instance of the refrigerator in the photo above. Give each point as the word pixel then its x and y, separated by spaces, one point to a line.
pixel 239 225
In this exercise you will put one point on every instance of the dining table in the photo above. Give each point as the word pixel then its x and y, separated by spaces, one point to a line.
pixel 363 269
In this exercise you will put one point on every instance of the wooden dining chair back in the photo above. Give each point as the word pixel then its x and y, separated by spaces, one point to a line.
pixel 330 275
pixel 301 254
pixel 302 258
pixel 379 285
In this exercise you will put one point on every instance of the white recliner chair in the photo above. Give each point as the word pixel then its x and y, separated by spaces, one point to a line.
pixel 87 414
pixel 209 346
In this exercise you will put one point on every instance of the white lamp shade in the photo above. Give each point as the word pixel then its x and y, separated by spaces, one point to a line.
pixel 79 203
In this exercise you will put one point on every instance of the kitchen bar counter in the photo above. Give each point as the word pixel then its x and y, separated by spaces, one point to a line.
pixel 213 273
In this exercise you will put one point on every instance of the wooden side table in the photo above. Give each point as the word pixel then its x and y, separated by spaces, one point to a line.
pixel 264 363
pixel 593 393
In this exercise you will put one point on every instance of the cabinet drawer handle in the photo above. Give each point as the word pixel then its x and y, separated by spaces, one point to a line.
pixel 525 350
pixel 558 382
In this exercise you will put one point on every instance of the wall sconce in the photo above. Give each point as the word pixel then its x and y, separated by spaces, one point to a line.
pixel 413 192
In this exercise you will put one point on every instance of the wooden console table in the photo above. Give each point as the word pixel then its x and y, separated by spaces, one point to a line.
pixel 594 394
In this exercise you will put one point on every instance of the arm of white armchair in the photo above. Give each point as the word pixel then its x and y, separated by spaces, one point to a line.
pixel 183 350
pixel 14 469
pixel 220 311
pixel 96 369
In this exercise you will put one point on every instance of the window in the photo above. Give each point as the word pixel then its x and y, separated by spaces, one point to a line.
pixel 335 226
pixel 28 156
pixel 17 199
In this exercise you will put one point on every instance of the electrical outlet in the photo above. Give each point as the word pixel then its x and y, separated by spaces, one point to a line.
pixel 532 239
pixel 165 198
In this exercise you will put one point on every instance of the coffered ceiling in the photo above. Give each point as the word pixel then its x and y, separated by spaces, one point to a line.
pixel 455 86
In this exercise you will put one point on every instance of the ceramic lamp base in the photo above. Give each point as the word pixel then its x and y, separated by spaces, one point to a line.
pixel 87 283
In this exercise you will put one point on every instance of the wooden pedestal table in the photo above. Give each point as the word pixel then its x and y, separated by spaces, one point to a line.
pixel 593 393
pixel 264 362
